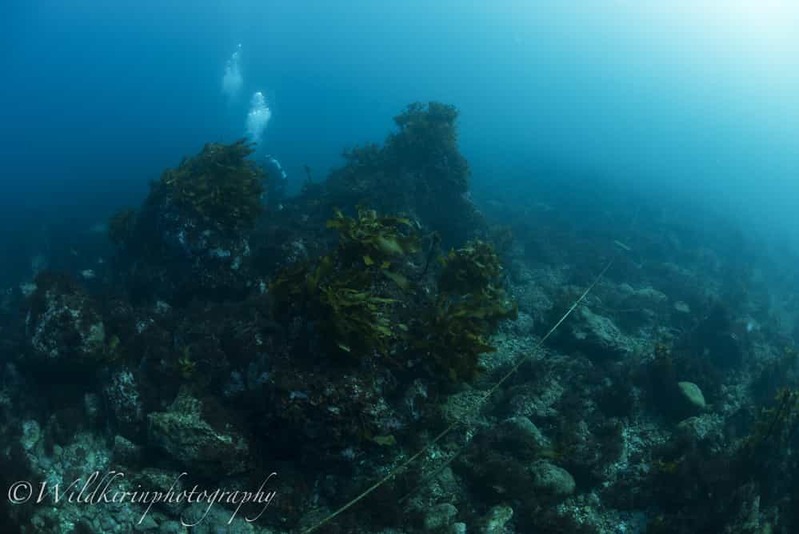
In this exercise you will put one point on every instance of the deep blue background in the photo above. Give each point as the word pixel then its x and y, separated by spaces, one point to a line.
pixel 689 98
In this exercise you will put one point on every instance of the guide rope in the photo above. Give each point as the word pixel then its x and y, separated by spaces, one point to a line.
pixel 620 248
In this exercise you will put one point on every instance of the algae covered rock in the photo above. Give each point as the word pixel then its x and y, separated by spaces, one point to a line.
pixel 123 402
pixel 439 517
pixel 64 328
pixel 218 189
pixel 187 437
pixel 596 336
pixel 551 479
pixel 496 520
pixel 419 169
pixel 191 235
pixel 520 435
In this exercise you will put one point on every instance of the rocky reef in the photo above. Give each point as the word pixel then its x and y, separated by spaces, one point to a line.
pixel 285 360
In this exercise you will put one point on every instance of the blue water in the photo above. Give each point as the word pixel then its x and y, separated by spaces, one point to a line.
pixel 678 98
pixel 576 110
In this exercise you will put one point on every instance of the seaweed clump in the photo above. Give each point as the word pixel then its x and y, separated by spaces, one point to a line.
pixel 350 292
pixel 218 186
pixel 418 170
pixel 192 233
pixel 469 305
pixel 427 144
pixel 361 297
pixel 369 327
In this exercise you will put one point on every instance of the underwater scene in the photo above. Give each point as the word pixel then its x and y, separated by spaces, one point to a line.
pixel 385 267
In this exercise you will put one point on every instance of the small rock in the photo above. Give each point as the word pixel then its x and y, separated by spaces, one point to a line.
pixel 462 405
pixel 439 517
pixel 184 435
pixel 701 427
pixel 125 451
pixel 519 436
pixel 552 479
pixel 596 336
pixel 496 519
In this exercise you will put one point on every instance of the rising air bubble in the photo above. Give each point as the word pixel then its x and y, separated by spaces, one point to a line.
pixel 232 80
pixel 258 117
